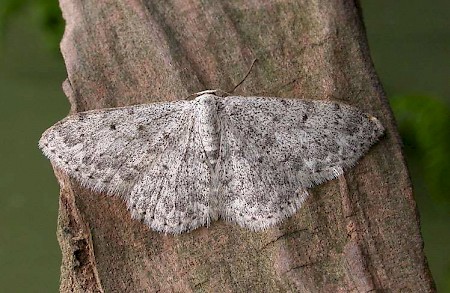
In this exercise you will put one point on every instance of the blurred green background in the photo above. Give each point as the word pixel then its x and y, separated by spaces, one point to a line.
pixel 409 41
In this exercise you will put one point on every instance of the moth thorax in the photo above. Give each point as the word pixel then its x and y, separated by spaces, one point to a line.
pixel 208 126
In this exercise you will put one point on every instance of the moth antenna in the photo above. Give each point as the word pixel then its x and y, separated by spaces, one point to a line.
pixel 245 77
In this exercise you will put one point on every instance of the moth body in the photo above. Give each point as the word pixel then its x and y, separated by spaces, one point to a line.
pixel 208 125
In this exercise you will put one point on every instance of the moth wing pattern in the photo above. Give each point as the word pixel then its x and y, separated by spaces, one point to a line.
pixel 155 156
pixel 175 193
pixel 146 154
pixel 273 149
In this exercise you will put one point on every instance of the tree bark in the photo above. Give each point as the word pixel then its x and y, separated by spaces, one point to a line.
pixel 357 233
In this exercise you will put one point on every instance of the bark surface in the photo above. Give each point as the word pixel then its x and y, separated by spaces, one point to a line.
pixel 358 233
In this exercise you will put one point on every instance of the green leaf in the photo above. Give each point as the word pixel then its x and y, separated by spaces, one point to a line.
pixel 424 124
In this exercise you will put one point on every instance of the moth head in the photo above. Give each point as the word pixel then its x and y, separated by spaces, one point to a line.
pixel 206 99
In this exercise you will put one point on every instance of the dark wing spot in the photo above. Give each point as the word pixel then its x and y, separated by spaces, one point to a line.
pixel 112 127
pixel 81 116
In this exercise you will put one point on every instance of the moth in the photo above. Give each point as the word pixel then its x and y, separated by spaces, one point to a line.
pixel 181 165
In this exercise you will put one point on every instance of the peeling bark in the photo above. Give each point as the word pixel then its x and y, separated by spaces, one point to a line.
pixel 358 233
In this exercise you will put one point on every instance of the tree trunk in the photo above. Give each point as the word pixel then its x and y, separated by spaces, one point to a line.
pixel 357 233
